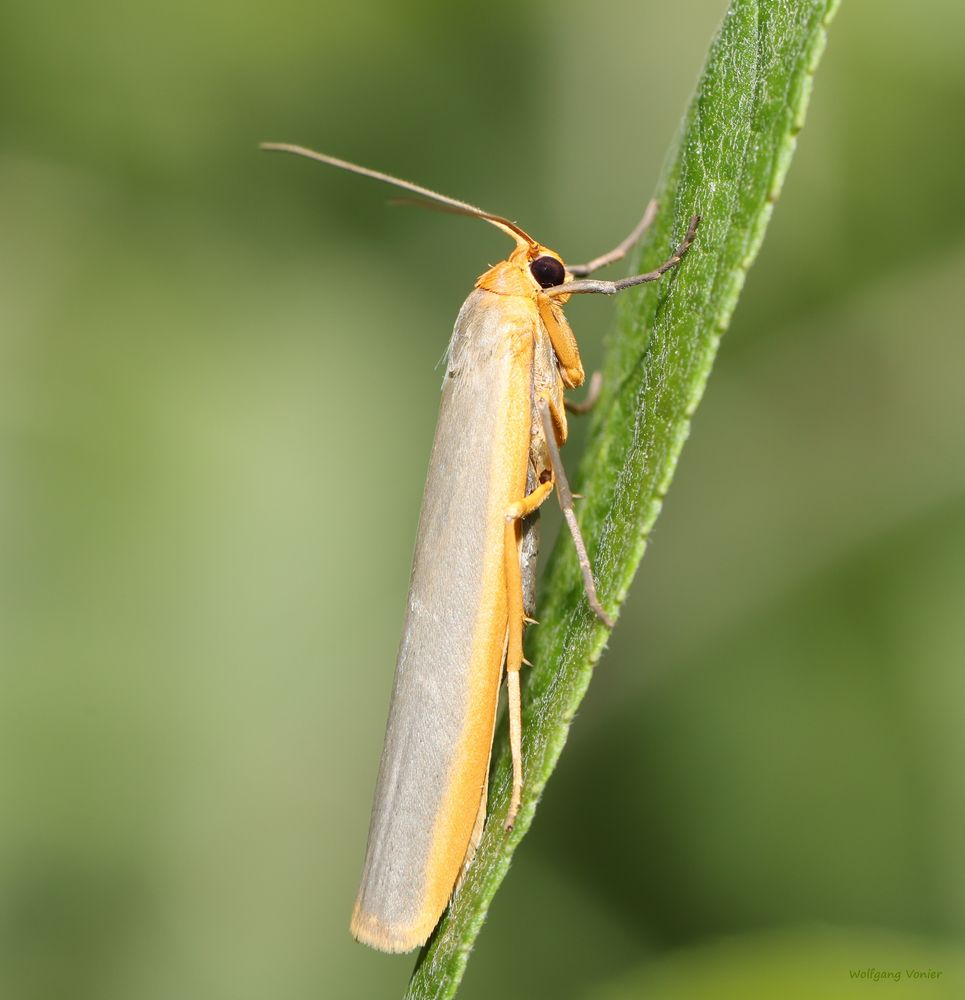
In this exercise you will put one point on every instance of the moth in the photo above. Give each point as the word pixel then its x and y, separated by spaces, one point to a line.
pixel 495 459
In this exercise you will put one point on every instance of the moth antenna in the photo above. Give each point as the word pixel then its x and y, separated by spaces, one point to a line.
pixel 434 206
pixel 453 205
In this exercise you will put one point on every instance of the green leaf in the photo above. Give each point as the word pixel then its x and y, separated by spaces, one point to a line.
pixel 733 152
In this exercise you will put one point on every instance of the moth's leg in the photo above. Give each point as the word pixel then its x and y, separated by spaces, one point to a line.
pixel 514 646
pixel 563 340
pixel 590 400
pixel 591 285
pixel 565 496
pixel 621 249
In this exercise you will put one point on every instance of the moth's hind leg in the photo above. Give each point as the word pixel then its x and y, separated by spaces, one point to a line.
pixel 514 646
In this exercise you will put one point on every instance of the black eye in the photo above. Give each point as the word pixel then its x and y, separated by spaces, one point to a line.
pixel 548 271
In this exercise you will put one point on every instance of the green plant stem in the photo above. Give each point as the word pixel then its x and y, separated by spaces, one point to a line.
pixel 734 149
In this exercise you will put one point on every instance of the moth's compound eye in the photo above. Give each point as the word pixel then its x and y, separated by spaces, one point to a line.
pixel 548 271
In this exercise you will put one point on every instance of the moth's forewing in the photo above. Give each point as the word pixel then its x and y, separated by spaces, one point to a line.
pixel 435 761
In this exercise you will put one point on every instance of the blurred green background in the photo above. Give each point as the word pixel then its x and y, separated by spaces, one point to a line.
pixel 217 396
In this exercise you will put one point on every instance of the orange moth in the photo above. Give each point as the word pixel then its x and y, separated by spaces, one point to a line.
pixel 494 460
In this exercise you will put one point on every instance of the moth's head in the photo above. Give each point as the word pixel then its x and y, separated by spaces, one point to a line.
pixel 546 268
pixel 528 270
